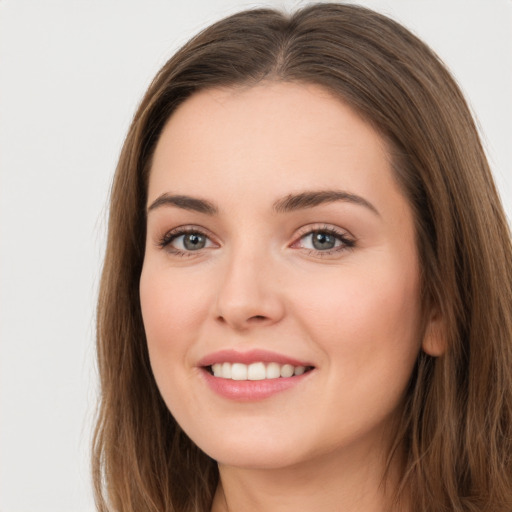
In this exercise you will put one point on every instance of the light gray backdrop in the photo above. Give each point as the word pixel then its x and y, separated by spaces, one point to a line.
pixel 71 75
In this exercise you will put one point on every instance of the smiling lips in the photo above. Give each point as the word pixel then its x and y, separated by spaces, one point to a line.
pixel 256 371
pixel 252 375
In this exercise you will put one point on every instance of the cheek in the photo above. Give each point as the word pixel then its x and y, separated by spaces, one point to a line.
pixel 367 326
pixel 367 322
pixel 171 307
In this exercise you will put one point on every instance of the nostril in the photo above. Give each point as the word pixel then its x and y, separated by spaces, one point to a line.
pixel 257 318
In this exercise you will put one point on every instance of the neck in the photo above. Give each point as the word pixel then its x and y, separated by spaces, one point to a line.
pixel 334 482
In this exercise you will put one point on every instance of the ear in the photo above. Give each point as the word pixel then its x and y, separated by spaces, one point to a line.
pixel 435 339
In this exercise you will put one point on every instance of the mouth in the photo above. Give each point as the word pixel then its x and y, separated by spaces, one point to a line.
pixel 253 375
pixel 256 371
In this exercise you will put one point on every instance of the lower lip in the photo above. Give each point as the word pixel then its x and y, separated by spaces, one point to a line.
pixel 251 390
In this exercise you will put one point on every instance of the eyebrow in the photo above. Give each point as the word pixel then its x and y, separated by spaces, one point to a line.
pixel 310 199
pixel 289 203
pixel 184 202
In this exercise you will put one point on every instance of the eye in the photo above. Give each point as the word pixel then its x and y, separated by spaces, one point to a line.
pixel 182 241
pixel 321 241
pixel 326 240
pixel 190 241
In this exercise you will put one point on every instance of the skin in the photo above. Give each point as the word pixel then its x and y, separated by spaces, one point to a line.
pixel 353 313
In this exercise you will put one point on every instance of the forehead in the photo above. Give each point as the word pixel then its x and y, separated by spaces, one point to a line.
pixel 265 113
pixel 285 133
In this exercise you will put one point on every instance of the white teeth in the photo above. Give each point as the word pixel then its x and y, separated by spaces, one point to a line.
pixel 273 371
pixel 255 371
pixel 239 371
pixel 226 370
pixel 287 370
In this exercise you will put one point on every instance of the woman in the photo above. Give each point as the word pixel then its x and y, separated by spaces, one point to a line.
pixel 306 299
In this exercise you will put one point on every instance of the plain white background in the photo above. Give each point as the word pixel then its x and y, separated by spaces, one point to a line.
pixel 71 75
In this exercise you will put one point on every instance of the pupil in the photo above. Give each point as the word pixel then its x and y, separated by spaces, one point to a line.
pixel 323 240
pixel 194 241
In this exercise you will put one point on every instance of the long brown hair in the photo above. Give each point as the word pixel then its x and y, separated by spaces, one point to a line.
pixel 457 421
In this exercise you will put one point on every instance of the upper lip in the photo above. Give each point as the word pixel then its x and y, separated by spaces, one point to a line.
pixel 248 357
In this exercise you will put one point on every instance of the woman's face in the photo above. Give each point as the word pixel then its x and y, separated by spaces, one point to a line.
pixel 281 256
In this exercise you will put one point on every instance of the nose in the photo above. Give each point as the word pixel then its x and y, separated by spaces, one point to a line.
pixel 250 293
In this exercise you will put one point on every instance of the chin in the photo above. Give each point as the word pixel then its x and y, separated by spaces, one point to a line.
pixel 252 449
pixel 256 457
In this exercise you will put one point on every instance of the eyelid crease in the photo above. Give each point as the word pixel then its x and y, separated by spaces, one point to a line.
pixel 323 227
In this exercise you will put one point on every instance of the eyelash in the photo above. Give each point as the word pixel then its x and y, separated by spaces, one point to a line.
pixel 347 242
pixel 166 240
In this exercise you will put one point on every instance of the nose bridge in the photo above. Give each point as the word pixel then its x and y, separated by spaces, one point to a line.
pixel 248 290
